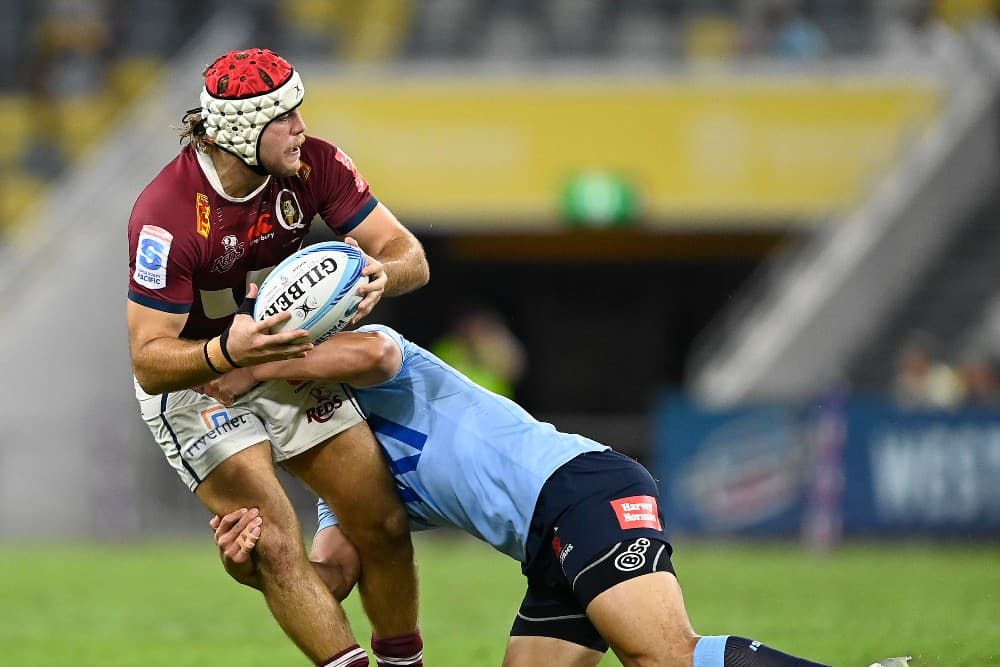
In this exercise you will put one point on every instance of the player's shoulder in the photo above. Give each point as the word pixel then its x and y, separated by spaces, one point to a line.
pixel 178 176
pixel 320 153
pixel 171 193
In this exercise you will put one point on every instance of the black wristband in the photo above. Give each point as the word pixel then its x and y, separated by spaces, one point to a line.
pixel 222 343
pixel 208 360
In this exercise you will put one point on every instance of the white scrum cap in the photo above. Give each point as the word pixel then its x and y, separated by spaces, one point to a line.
pixel 244 91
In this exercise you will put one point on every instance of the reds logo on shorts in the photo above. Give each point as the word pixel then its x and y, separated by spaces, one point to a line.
pixel 637 512
pixel 327 404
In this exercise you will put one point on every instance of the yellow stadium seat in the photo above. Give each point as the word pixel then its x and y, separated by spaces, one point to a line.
pixel 14 130
pixel 83 119
pixel 961 12
pixel 711 37
pixel 19 192
pixel 381 30
pixel 129 76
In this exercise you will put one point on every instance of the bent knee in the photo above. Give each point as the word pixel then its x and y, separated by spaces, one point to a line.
pixel 676 651
pixel 280 550
pixel 390 532
pixel 396 525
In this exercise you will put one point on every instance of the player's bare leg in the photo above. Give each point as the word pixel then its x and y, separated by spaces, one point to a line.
pixel 523 651
pixel 349 473
pixel 298 599
pixel 645 621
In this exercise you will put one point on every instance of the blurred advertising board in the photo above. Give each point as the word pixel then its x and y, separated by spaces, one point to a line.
pixel 708 150
pixel 858 466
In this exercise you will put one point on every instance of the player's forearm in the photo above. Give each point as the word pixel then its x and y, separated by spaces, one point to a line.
pixel 361 359
pixel 405 265
pixel 171 364
pixel 335 579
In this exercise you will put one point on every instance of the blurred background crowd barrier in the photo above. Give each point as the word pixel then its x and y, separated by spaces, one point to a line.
pixel 751 243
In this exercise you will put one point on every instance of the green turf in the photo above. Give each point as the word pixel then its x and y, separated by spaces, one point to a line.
pixel 165 605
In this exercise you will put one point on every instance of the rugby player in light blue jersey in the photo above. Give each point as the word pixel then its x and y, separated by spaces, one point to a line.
pixel 583 520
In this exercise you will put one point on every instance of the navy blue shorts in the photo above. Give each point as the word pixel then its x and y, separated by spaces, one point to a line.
pixel 598 507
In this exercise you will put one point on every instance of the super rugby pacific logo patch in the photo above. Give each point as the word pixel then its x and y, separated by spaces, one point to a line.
pixel 151 255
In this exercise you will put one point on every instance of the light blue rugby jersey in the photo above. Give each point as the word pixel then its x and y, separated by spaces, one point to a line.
pixel 463 457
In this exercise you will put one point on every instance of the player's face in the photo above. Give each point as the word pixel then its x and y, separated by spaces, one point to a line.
pixel 280 142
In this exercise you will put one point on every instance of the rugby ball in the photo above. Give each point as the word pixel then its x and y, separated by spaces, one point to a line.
pixel 317 285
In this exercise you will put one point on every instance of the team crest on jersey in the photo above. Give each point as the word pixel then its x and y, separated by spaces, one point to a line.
pixel 203 213
pixel 304 171
pixel 234 249
pixel 289 211
pixel 345 159
pixel 151 254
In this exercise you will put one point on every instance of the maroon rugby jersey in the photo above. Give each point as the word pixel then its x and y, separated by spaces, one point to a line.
pixel 193 250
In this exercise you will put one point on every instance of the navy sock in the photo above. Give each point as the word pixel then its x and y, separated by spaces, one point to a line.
pixel 732 651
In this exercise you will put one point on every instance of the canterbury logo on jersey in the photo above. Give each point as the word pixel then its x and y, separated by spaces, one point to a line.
pixel 262 230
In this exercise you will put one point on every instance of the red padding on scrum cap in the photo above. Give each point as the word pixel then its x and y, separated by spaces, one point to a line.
pixel 246 73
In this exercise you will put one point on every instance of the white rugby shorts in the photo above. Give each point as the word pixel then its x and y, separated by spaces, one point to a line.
pixel 197 433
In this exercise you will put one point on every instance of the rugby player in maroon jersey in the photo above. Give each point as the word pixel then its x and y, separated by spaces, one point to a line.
pixel 238 199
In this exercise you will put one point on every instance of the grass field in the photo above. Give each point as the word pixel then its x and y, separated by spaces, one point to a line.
pixel 169 604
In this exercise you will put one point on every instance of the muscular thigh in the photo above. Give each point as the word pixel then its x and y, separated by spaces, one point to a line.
pixel 644 619
pixel 350 473
pixel 247 479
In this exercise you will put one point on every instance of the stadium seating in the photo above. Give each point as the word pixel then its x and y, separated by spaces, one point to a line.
pixel 97 58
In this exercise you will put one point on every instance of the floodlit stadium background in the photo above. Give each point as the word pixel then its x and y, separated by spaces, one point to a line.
pixel 752 244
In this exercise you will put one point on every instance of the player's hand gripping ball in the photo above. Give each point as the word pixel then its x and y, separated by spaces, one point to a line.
pixel 318 285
